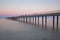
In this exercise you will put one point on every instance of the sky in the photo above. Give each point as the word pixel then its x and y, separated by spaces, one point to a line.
pixel 22 7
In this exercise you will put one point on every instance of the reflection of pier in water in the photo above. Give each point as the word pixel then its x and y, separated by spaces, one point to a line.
pixel 25 18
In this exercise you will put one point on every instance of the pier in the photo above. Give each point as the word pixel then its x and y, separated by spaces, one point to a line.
pixel 24 18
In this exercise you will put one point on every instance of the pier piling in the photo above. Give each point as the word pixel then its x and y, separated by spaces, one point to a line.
pixel 38 20
pixel 42 21
pixel 45 21
pixel 35 19
pixel 53 21
pixel 57 22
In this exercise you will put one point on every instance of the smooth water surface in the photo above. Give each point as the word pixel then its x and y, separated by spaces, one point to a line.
pixel 15 30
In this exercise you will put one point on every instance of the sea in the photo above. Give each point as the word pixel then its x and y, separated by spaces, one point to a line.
pixel 16 30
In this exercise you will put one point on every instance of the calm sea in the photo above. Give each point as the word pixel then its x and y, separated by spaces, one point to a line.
pixel 15 30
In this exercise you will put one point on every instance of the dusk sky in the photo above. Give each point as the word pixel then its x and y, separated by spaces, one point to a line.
pixel 21 7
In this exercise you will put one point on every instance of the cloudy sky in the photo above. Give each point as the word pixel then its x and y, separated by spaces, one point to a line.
pixel 21 7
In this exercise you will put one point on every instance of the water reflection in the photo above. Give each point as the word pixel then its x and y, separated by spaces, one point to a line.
pixel 14 30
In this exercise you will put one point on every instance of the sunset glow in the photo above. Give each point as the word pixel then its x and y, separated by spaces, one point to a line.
pixel 21 7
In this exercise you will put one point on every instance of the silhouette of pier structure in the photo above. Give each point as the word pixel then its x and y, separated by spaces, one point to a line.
pixel 25 18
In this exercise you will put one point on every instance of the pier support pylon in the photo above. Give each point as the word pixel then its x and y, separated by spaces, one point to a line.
pixel 42 21
pixel 45 21
pixel 35 19
pixel 57 22
pixel 38 20
pixel 26 19
pixel 53 21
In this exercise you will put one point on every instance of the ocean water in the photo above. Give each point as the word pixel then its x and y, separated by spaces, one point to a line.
pixel 16 30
